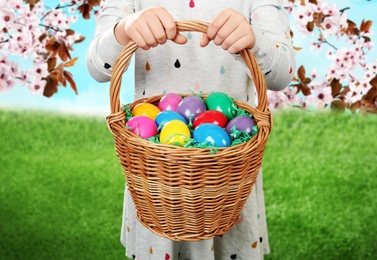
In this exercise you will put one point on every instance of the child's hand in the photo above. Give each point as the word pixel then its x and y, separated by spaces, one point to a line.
pixel 231 30
pixel 148 28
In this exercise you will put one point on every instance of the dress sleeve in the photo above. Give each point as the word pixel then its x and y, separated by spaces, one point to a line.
pixel 274 49
pixel 104 48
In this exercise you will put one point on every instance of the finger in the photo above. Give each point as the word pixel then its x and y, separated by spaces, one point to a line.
pixel 139 40
pixel 180 39
pixel 168 24
pixel 233 37
pixel 239 45
pixel 225 31
pixel 148 36
pixel 157 29
pixel 217 23
pixel 204 40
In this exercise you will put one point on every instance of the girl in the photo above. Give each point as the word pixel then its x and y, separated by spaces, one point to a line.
pixel 161 65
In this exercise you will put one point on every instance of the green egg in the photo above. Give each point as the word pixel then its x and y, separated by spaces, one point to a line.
pixel 221 102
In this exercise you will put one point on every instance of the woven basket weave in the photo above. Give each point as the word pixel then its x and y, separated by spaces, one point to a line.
pixel 188 194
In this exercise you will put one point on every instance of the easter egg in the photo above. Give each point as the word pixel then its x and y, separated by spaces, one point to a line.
pixel 213 134
pixel 175 132
pixel 221 102
pixel 169 101
pixel 167 115
pixel 212 117
pixel 142 126
pixel 241 123
pixel 190 107
pixel 146 109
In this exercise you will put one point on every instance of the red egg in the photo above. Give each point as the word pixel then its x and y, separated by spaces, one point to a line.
pixel 211 117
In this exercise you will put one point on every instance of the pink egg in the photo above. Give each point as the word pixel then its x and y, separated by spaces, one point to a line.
pixel 142 126
pixel 169 102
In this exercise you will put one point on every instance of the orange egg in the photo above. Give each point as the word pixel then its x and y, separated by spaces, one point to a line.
pixel 146 109
pixel 175 132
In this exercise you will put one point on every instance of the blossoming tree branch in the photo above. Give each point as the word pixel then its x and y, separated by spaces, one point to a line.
pixel 32 30
pixel 342 86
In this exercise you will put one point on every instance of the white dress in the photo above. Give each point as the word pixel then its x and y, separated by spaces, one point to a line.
pixel 191 68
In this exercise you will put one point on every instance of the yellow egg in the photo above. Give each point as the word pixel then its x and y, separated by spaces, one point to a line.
pixel 175 132
pixel 146 109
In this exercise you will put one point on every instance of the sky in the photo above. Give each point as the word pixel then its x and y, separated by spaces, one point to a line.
pixel 93 97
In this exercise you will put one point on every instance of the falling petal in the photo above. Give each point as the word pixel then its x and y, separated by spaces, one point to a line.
pixel 192 4
pixel 277 45
pixel 177 64
pixel 189 36
pixel 147 66
pixel 222 70
pixel 128 229
pixel 213 247
pixel 151 250
pixel 290 70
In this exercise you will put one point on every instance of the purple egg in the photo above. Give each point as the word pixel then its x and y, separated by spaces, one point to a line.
pixel 242 123
pixel 190 107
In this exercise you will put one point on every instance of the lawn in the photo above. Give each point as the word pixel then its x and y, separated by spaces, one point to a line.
pixel 61 187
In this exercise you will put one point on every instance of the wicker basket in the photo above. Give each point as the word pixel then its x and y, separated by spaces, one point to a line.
pixel 188 194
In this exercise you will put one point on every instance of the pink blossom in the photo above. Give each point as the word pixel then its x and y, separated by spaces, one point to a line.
pixel 332 72
pixel 41 70
pixel 313 74
pixel 275 100
pixel 354 94
pixel 7 16
pixel 365 86
pixel 302 15
pixel 332 25
pixel 320 97
pixel 37 86
pixel 292 98
pixel 315 45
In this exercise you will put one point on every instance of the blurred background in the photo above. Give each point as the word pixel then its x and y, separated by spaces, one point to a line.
pixel 61 184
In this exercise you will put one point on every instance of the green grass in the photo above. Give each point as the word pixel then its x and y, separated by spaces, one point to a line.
pixel 320 179
pixel 61 187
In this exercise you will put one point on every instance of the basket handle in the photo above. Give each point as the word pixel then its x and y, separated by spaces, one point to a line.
pixel 188 25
